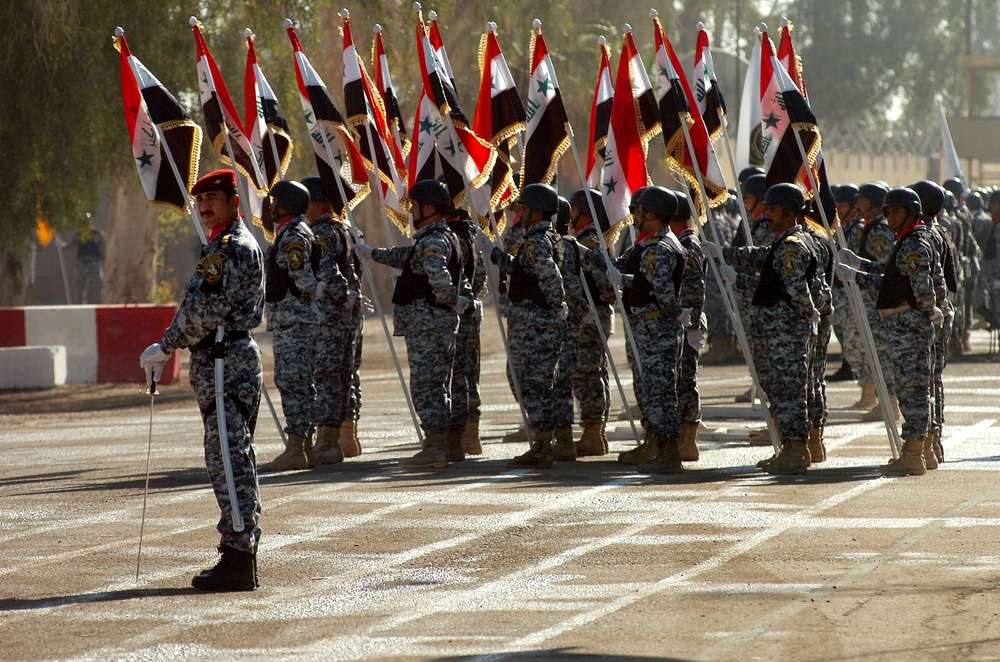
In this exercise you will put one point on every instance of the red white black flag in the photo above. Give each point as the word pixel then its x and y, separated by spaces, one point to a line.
pixel 223 123
pixel 163 137
pixel 383 83
pixel 337 157
pixel 707 94
pixel 600 116
pixel 264 120
pixel 546 137
pixel 367 120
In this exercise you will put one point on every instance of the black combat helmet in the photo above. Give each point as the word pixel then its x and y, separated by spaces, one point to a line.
pixel 430 192
pixel 660 201
pixel 902 197
pixel 290 197
pixel 787 196
pixel 755 185
pixel 540 197
pixel 315 187
pixel 874 192
pixel 747 173
pixel 846 193
pixel 931 197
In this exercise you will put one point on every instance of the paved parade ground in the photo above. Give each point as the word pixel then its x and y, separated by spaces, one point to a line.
pixel 588 560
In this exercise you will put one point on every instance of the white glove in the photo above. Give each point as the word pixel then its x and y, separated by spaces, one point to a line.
pixel 685 318
pixel 845 272
pixel 151 361
pixel 367 306
pixel 814 322
pixel 947 308
pixel 352 298
pixel 936 316
pixel 396 273
pixel 696 339
pixel 320 289
pixel 462 304
pixel 728 274
pixel 363 250
pixel 849 257
pixel 563 311
pixel 614 275
pixel 711 250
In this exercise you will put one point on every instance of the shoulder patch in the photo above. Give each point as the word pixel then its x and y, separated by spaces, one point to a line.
pixel 211 267
pixel 649 262
pixel 793 239
pixel 295 250
pixel 590 242
pixel 789 261
pixel 324 244
pixel 879 246
pixel 429 251
pixel 913 261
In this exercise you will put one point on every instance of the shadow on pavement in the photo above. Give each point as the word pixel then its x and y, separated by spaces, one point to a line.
pixel 15 604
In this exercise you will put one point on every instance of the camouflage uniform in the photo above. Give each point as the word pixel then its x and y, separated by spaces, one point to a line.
pixel 845 325
pixel 424 301
pixel 946 284
pixel 875 243
pixel 692 296
pixel 822 296
pixel 719 325
pixel 465 402
pixel 226 290
pixel 782 308
pixel 293 316
pixel 906 298
pixel 744 289
pixel 334 365
pixel 536 332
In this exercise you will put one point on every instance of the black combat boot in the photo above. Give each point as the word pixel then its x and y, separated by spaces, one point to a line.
pixel 235 571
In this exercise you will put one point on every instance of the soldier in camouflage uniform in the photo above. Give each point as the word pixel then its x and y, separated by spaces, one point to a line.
pixel 822 295
pixel 695 324
pixel 537 317
pixel 428 302
pixel 568 262
pixel 907 303
pixel 339 308
pixel 227 290
pixel 784 319
pixel 846 197
pixel 650 274
pixel 292 297
pixel 465 402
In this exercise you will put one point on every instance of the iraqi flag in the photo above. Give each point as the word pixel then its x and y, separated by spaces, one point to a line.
pixel 647 111
pixel 222 122
pixel 264 120
pixel 367 120
pixel 163 137
pixel 499 114
pixel 337 157
pixel 383 83
pixel 707 94
pixel 749 141
pixel 679 110
pixel 600 116
pixel 625 153
pixel 546 136
pixel 467 154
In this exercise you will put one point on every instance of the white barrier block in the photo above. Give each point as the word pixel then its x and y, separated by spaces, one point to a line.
pixel 72 326
pixel 32 367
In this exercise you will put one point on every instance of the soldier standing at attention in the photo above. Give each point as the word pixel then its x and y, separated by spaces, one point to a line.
pixel 784 319
pixel 293 316
pixel 428 303
pixel 538 311
pixel 844 325
pixel 907 305
pixel 338 309
pixel 227 290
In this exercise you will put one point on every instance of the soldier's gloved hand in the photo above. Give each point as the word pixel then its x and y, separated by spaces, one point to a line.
pixel 696 338
pixel 728 274
pixel 685 318
pixel 151 361
pixel 352 298
pixel 363 250
pixel 711 250
pixel 462 304
pixel 614 276
pixel 320 289
pixel 849 257
pixel 563 311
pixel 495 254
pixel 846 272
pixel 814 322
pixel 367 306
pixel 946 307
pixel 486 245
pixel 936 316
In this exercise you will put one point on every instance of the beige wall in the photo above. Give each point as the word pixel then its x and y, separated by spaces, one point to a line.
pixel 842 167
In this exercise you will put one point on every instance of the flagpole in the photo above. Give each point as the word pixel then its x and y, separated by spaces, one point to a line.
pixel 858 309
pixel 744 216
pixel 607 253
pixel 728 299
pixel 371 279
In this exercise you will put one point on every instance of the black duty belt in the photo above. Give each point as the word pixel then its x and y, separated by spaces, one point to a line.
pixel 209 341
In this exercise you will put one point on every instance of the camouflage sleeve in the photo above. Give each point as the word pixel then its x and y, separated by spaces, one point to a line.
pixel 293 254
pixel 606 289
pixel 916 259
pixel 329 270
pixel 432 253
pixel 538 261
pixel 791 263
pixel 393 257
pixel 573 281
pixel 504 259
pixel 657 265
pixel 880 242
pixel 479 277
pixel 693 285
pixel 746 259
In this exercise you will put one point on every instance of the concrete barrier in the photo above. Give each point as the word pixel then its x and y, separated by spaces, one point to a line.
pixel 32 367
pixel 103 343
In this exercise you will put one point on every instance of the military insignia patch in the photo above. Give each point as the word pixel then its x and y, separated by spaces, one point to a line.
pixel 789 261
pixel 295 250
pixel 530 253
pixel 210 267
pixel 324 245
pixel 879 246
pixel 690 268
pixel 649 262
pixel 429 251
pixel 913 261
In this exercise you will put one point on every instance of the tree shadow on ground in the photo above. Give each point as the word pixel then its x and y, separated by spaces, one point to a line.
pixel 27 604
pixel 68 482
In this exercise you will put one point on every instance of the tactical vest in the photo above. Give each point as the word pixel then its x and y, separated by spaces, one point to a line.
pixel 863 238
pixel 523 285
pixel 819 237
pixel 640 294
pixel 990 249
pixel 896 288
pixel 939 238
pixel 462 229
pixel 346 261
pixel 277 282
pixel 591 281
pixel 411 286
pixel 771 289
